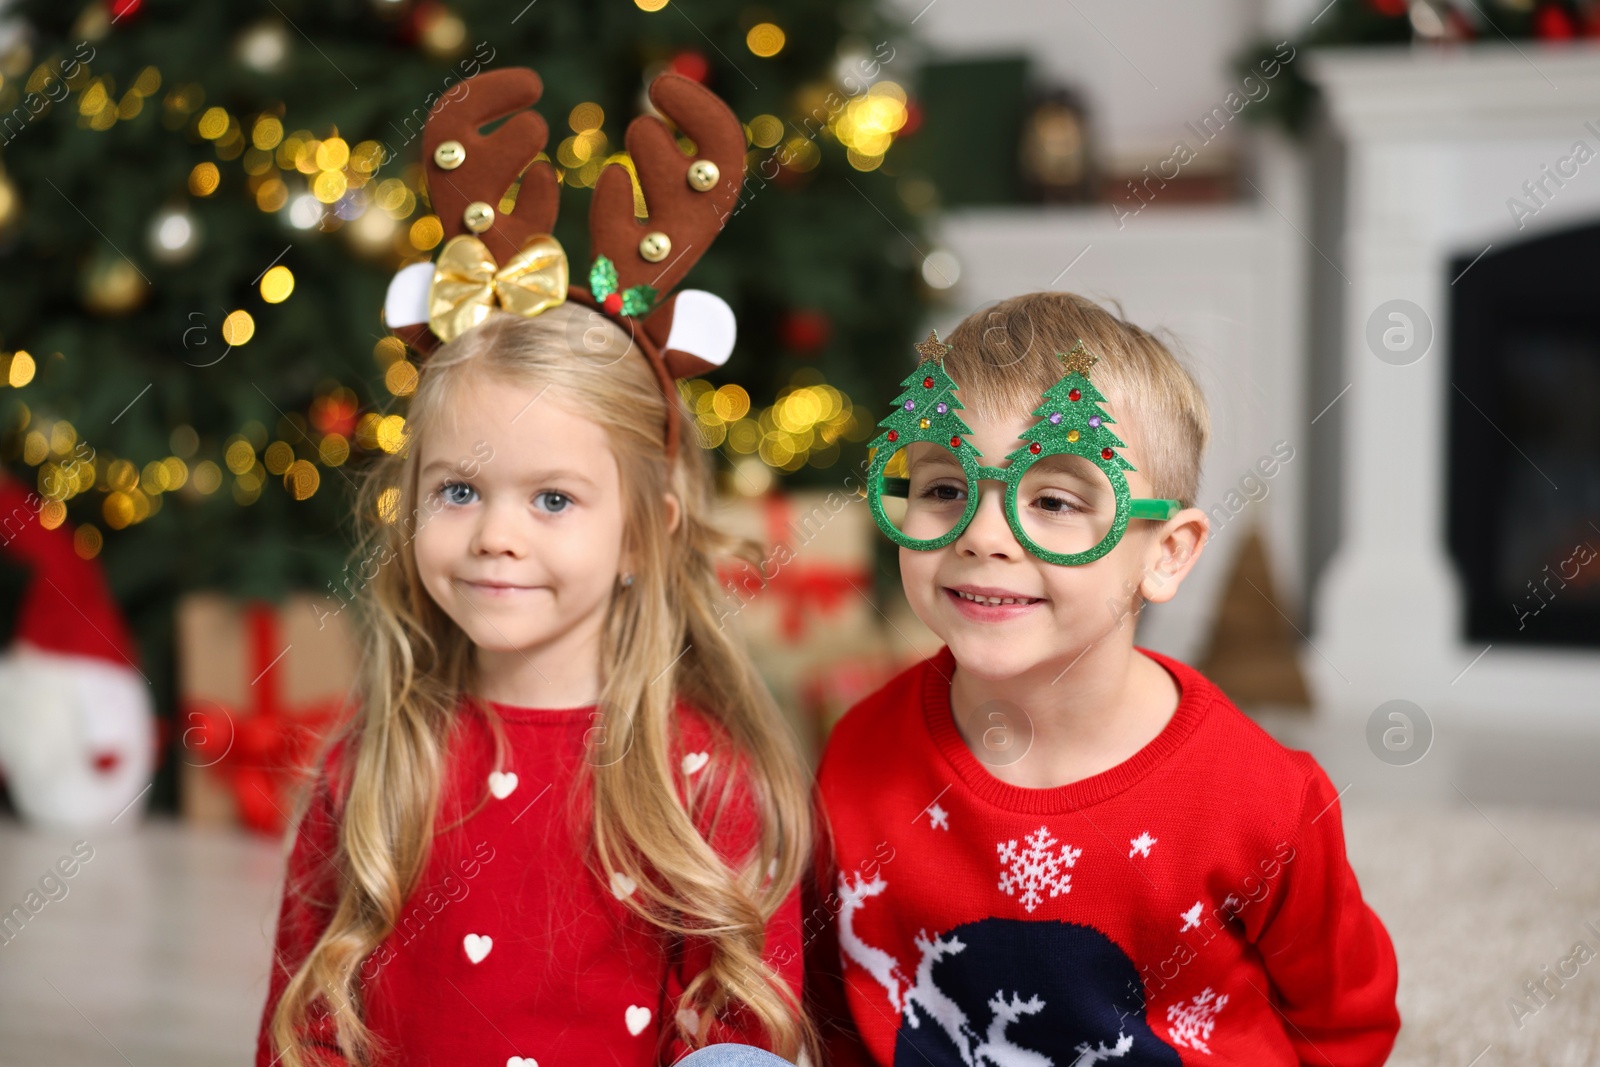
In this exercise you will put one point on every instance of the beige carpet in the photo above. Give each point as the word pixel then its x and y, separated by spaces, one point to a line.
pixel 1477 905
pixel 157 953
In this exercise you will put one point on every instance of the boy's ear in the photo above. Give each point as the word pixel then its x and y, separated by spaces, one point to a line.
pixel 1173 553
pixel 674 511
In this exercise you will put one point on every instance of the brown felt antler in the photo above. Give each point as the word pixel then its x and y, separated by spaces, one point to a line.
pixel 688 216
pixel 688 199
pixel 490 163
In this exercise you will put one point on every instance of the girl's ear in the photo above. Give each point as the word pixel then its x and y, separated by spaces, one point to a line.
pixel 674 511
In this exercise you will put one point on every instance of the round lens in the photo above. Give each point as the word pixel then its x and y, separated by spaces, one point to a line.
pixel 924 491
pixel 1066 504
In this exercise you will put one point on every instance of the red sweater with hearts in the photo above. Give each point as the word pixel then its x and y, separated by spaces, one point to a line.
pixel 1191 905
pixel 510 949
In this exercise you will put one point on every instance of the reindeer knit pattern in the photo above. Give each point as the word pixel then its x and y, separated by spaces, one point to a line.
pixel 510 951
pixel 1191 905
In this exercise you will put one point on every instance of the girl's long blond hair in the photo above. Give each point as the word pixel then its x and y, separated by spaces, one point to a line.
pixel 663 640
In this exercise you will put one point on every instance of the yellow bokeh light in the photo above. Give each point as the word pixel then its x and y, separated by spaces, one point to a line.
pixel 278 456
pixel 333 154
pixel 401 377
pixel 301 479
pixel 586 116
pixel 765 39
pixel 730 403
pixel 267 133
pixel 204 179
pixel 766 131
pixel 388 505
pixel 277 284
pixel 213 124
pixel 238 327
pixel 650 5
pixel 20 372
pixel 87 542
pixel 207 477
pixel 239 457
pixel 426 232
pixel 391 435
pixel 272 195
pixel 329 186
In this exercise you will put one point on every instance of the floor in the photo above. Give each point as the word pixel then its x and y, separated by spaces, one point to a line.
pixel 156 953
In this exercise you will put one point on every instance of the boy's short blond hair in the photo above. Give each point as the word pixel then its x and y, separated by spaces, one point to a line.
pixel 1004 357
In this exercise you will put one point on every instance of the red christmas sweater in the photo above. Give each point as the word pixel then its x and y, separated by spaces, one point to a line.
pixel 510 950
pixel 1192 905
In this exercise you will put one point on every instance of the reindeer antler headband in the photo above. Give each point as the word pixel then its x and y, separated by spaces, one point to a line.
pixel 510 262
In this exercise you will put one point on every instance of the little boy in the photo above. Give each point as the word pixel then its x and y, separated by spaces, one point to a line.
pixel 1049 846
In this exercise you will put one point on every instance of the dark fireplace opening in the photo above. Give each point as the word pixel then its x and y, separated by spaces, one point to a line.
pixel 1524 437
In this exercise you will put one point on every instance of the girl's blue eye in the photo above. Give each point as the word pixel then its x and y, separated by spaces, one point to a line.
pixel 456 493
pixel 554 501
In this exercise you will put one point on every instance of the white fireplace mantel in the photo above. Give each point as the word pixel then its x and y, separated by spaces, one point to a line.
pixel 1436 142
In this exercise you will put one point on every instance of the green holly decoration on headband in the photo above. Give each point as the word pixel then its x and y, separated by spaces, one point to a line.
pixel 633 301
pixel 926 408
pixel 1071 419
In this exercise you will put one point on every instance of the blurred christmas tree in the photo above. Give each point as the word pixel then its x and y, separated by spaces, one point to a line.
pixel 201 206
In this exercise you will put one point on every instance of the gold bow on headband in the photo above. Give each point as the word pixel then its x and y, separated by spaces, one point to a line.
pixel 468 283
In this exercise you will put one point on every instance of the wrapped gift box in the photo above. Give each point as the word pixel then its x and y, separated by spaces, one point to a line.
pixel 260 687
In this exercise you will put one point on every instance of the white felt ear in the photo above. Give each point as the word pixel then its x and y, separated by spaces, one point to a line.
pixel 702 325
pixel 407 301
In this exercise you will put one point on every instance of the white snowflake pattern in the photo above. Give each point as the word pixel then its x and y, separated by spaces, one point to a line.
pixel 1190 1024
pixel 1036 867
pixel 938 818
pixel 1141 845
pixel 1191 918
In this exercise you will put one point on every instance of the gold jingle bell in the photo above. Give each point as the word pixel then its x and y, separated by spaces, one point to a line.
pixel 703 175
pixel 478 217
pixel 655 247
pixel 449 155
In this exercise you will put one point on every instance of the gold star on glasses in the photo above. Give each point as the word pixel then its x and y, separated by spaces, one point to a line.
pixel 932 350
pixel 1078 360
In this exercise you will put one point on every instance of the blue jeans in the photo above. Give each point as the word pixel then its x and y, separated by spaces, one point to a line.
pixel 730 1055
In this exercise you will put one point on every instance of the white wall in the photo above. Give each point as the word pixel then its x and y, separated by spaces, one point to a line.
pixel 1145 66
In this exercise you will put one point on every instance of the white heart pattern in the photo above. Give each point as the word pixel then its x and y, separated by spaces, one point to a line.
pixel 689 1020
pixel 477 946
pixel 622 885
pixel 637 1019
pixel 522 1061
pixel 502 785
pixel 694 761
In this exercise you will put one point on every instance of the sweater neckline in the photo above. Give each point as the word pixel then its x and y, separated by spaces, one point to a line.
pixel 514 713
pixel 1055 800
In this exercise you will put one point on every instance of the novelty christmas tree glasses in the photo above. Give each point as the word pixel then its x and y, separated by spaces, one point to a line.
pixel 1066 498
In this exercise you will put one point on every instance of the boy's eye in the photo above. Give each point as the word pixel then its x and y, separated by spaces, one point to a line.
pixel 553 501
pixel 457 493
pixel 1057 504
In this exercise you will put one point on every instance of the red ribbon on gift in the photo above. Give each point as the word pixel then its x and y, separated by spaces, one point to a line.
pixel 804 588
pixel 263 749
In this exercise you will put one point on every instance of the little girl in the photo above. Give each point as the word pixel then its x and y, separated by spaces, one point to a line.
pixel 568 824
